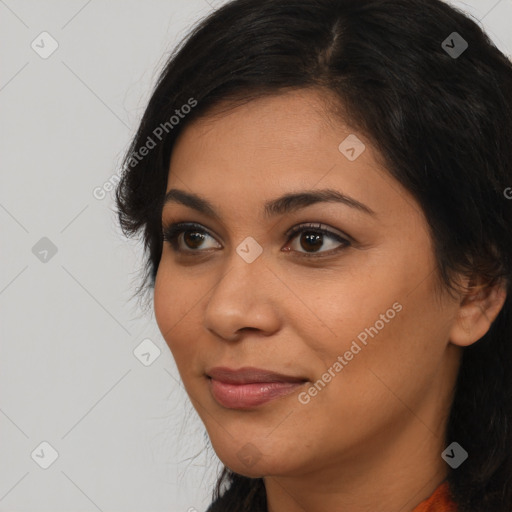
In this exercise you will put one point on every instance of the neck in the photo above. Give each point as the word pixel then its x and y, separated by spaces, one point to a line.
pixel 397 477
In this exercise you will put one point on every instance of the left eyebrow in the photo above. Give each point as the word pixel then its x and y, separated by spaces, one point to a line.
pixel 290 203
pixel 287 203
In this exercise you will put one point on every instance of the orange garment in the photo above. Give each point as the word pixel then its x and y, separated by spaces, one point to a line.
pixel 440 501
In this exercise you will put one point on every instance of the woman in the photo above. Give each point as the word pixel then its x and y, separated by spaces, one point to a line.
pixel 321 188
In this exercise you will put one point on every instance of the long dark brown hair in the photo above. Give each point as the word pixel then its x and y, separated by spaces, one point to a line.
pixel 441 120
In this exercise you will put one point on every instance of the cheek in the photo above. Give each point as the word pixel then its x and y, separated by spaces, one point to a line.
pixel 171 307
pixel 177 301
pixel 386 324
pixel 163 300
pixel 391 355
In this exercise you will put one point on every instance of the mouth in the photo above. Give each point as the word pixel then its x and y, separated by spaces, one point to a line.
pixel 249 387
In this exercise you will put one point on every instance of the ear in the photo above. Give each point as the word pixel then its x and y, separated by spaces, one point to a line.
pixel 479 307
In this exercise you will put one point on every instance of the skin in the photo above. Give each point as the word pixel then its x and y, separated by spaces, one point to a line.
pixel 374 434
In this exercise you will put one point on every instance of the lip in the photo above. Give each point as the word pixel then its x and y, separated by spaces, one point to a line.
pixel 249 375
pixel 249 387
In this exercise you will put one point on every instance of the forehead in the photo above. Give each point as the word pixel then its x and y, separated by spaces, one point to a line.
pixel 275 145
pixel 291 118
pixel 283 137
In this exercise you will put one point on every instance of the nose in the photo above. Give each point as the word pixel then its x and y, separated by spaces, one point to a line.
pixel 244 298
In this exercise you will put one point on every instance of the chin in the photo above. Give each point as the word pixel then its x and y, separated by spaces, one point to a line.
pixel 255 459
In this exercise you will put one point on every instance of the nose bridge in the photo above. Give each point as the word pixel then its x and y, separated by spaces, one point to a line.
pixel 243 296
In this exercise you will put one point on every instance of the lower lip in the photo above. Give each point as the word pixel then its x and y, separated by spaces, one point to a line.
pixel 245 396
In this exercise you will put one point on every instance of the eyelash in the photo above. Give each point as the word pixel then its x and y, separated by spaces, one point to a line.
pixel 173 231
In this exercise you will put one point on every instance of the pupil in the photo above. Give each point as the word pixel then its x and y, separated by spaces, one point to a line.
pixel 195 238
pixel 313 239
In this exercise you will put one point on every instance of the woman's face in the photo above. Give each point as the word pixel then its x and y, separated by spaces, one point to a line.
pixel 352 317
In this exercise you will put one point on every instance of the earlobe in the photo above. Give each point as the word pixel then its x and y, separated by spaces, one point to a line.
pixel 478 309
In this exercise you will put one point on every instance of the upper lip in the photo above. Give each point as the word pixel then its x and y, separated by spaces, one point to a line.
pixel 248 375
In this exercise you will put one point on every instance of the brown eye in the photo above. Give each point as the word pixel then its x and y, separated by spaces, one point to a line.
pixel 311 241
pixel 312 238
pixel 193 237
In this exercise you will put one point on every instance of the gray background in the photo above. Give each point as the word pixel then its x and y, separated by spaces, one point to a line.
pixel 126 436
